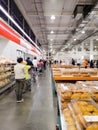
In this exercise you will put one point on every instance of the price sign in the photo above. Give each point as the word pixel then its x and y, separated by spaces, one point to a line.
pixel 91 118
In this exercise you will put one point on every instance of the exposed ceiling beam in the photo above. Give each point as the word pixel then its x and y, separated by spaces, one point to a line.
pixel 39 2
pixel 31 13
pixel 54 26
pixel 85 3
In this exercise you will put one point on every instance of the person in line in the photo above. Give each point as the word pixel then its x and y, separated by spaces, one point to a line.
pixel 91 64
pixel 35 63
pixel 29 62
pixel 19 70
pixel 73 61
pixel 55 62
pixel 85 63
pixel 97 64
pixel 60 61
pixel 79 62
pixel 40 65
pixel 45 62
pixel 50 63
pixel 27 77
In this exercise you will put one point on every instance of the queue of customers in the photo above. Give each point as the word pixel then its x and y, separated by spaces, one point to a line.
pixel 23 74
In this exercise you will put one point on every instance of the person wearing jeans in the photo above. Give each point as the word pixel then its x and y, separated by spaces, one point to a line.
pixel 19 70
pixel 19 89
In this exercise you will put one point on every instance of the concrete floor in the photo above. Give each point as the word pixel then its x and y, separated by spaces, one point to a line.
pixel 37 112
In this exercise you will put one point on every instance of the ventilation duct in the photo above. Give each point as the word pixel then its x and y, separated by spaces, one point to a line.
pixel 82 10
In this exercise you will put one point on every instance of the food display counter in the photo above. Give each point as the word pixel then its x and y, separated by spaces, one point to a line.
pixel 60 78
pixel 76 74
pixel 78 110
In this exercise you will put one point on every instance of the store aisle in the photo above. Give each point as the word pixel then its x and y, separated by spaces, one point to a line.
pixel 35 113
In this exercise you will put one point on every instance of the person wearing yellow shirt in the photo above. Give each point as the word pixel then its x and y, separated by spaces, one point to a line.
pixel 27 77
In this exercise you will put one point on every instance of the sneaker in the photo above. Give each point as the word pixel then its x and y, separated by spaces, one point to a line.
pixel 20 100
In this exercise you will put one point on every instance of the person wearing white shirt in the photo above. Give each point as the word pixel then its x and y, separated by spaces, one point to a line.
pixel 35 63
pixel 79 62
pixel 20 72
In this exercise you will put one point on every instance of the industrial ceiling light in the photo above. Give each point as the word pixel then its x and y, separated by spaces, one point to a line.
pixel 97 39
pixel 77 29
pixel 75 39
pixel 82 25
pixel 53 17
pixel 52 32
pixel 51 39
pixel 83 32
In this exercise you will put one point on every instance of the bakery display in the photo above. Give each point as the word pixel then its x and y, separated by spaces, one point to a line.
pixel 79 97
pixel 71 73
pixel 69 119
pixel 6 71
pixel 72 91
pixel 83 109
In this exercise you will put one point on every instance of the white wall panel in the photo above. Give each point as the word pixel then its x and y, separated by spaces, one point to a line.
pixel 9 49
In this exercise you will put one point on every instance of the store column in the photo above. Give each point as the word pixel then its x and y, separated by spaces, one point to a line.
pixel 91 49
pixel 83 51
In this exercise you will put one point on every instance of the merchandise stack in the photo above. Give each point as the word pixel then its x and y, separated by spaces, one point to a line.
pixel 78 105
pixel 6 74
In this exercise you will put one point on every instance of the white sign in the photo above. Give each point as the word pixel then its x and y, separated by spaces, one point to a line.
pixel 91 118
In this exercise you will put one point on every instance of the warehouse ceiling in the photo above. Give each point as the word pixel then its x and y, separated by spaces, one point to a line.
pixel 60 24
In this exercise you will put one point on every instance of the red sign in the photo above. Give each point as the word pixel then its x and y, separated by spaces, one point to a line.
pixel 10 34
pixel 7 32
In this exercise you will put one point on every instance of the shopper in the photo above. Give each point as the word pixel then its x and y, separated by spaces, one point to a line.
pixel 85 63
pixel 60 61
pixel 97 64
pixel 73 61
pixel 45 63
pixel 40 66
pixel 19 70
pixel 91 64
pixel 27 77
pixel 35 62
pixel 29 62
pixel 79 62
pixel 50 63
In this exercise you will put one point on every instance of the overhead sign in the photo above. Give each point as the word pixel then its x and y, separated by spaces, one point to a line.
pixel 9 33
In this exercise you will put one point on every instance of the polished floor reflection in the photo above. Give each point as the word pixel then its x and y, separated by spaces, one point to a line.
pixel 35 113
